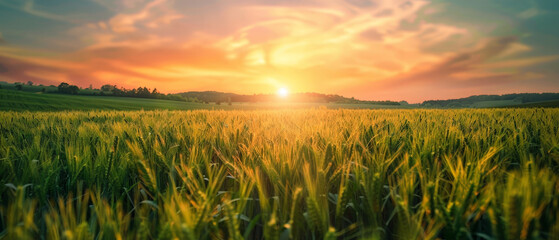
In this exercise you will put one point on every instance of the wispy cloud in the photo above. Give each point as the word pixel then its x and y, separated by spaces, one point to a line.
pixel 152 15
pixel 481 67
pixel 28 6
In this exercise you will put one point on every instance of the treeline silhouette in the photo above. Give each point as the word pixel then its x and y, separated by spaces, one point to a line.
pixel 210 96
pixel 221 97
pixel 113 90
pixel 142 92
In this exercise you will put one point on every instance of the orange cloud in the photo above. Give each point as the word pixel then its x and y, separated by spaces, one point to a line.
pixel 469 70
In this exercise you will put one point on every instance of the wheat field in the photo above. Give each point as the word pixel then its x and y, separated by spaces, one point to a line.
pixel 281 174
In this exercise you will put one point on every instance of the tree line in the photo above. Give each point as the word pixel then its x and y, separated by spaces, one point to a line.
pixel 219 97
pixel 114 90
pixel 203 96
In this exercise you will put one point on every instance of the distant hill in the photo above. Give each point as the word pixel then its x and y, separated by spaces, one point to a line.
pixel 484 101
pixel 213 96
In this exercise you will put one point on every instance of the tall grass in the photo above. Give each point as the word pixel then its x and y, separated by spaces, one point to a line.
pixel 290 174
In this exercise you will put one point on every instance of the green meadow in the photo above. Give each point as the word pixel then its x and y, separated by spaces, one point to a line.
pixel 280 174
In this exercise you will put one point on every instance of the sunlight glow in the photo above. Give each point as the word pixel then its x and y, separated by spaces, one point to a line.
pixel 283 92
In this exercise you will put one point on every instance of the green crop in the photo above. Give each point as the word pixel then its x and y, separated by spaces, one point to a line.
pixel 281 174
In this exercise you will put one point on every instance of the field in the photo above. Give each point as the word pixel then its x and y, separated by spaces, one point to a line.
pixel 280 174
pixel 546 104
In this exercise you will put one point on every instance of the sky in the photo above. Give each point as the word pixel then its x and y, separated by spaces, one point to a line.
pixel 367 49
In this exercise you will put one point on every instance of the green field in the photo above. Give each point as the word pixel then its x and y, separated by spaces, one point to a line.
pixel 26 101
pixel 280 174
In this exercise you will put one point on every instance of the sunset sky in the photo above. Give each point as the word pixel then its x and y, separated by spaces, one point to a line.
pixel 368 49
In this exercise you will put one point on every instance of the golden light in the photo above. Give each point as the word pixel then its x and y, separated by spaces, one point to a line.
pixel 283 92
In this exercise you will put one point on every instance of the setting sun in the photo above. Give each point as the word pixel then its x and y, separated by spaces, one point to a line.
pixel 283 92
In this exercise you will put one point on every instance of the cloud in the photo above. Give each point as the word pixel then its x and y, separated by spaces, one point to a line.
pixel 120 5
pixel 149 26
pixel 28 7
pixel 303 45
pixel 361 3
pixel 361 48
pixel 529 13
pixel 15 70
pixel 480 67
pixel 125 23
pixel 459 64
pixel 293 44
pixel 127 67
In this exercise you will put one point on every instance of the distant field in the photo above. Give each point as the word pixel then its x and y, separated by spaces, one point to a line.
pixel 489 174
pixel 26 101
pixel 492 104
pixel 546 104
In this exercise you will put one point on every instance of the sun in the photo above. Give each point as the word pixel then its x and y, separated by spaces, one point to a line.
pixel 283 92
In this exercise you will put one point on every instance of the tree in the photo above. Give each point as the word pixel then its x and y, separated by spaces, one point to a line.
pixel 117 92
pixel 155 93
pixel 108 88
pixel 29 83
pixel 67 88
pixel 143 92
pixel 63 87
pixel 19 87
pixel 73 89
pixel 130 93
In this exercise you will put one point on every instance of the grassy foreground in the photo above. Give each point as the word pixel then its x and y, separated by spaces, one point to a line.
pixel 299 174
